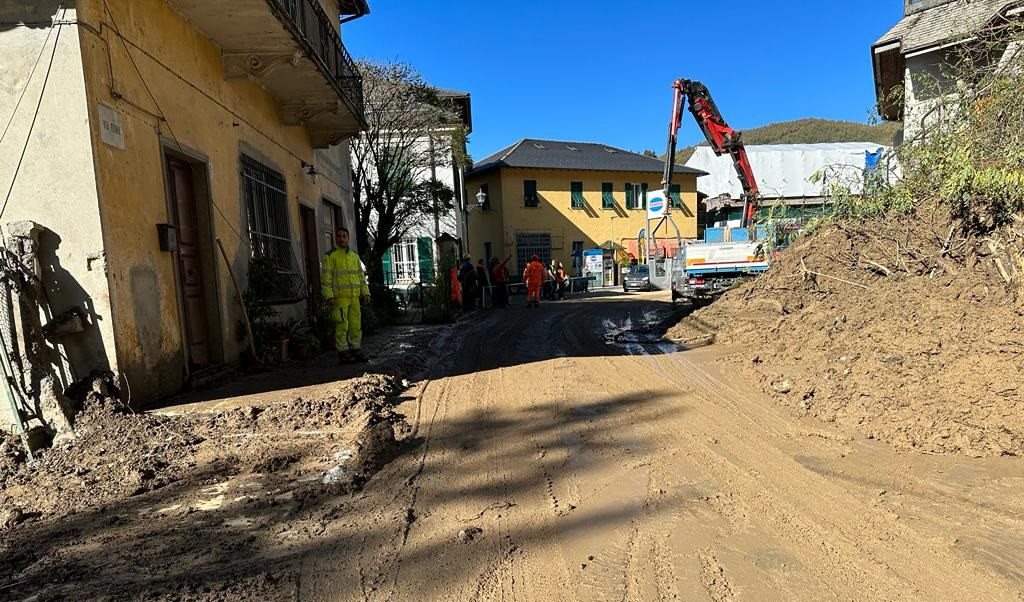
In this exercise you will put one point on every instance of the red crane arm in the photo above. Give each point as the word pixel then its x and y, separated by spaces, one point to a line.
pixel 722 138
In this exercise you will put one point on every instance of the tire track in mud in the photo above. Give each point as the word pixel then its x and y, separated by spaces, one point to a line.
pixel 642 565
pixel 712 577
pixel 844 553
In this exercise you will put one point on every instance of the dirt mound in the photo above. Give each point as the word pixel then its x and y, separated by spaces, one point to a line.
pixel 899 329
pixel 192 486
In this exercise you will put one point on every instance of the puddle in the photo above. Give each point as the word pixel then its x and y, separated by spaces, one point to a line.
pixel 638 338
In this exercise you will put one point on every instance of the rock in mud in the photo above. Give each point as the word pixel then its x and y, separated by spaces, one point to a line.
pixel 469 534
pixel 782 386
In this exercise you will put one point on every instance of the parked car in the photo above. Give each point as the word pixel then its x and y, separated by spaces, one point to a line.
pixel 638 278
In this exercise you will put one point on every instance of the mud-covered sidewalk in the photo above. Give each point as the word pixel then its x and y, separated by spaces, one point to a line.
pixel 199 497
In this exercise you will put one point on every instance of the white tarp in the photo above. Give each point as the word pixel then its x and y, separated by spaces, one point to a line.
pixel 785 170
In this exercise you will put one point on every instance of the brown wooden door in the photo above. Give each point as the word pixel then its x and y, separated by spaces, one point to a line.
pixel 190 263
pixel 310 256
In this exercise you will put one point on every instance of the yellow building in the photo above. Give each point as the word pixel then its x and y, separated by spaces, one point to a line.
pixel 144 134
pixel 557 199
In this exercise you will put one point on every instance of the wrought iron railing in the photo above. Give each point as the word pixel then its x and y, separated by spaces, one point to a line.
pixel 314 30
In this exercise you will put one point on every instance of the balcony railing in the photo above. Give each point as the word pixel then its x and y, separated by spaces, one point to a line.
pixel 313 29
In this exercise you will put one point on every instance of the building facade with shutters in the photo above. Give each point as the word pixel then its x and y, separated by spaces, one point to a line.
pixel 160 145
pixel 414 259
pixel 557 199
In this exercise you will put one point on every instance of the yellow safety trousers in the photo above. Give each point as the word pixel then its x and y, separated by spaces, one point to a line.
pixel 342 278
pixel 348 325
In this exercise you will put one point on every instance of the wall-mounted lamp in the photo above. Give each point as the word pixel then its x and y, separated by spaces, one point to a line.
pixel 481 198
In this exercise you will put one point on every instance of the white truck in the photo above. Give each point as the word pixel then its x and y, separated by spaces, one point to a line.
pixel 725 257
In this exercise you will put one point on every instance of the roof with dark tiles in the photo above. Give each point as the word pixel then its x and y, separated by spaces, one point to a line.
pixel 589 156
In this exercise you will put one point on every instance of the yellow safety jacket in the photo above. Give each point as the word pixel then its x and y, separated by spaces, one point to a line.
pixel 342 276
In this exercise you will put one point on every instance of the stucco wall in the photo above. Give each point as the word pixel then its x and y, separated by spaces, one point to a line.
pixel 55 185
pixel 209 119
pixel 486 225
pixel 334 165
pixel 927 85
pixel 592 224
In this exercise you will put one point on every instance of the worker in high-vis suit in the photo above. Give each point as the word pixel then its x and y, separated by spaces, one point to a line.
pixel 533 276
pixel 343 284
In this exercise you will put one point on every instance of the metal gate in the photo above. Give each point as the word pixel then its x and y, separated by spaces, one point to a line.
pixel 532 243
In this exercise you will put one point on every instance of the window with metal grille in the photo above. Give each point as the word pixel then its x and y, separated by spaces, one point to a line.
pixel 532 243
pixel 576 189
pixel 404 260
pixel 607 196
pixel 266 209
pixel 530 193
pixel 675 197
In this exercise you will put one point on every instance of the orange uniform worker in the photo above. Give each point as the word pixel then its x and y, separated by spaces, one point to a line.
pixel 533 276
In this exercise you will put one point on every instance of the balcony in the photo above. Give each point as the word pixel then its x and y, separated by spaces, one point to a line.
pixel 292 48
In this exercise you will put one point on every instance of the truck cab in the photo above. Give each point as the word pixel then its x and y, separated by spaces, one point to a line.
pixel 725 257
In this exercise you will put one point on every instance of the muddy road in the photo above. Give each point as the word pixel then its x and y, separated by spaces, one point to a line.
pixel 564 456
pixel 562 453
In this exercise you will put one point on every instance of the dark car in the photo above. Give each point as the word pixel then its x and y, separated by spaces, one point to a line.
pixel 638 278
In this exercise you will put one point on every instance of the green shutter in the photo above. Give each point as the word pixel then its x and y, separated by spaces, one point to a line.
pixel 630 202
pixel 425 253
pixel 576 193
pixel 389 275
pixel 675 196
pixel 643 195
pixel 607 196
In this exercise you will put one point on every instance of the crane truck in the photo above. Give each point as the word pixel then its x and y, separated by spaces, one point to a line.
pixel 709 268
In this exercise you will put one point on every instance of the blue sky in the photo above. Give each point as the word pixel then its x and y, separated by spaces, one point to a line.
pixel 599 70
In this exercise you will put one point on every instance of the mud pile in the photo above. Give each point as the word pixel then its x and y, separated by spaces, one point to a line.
pixel 168 493
pixel 902 330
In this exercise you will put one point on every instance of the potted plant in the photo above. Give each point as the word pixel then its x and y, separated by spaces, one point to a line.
pixel 300 338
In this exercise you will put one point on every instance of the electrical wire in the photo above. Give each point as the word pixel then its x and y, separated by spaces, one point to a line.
pixel 28 82
pixel 163 116
pixel 31 127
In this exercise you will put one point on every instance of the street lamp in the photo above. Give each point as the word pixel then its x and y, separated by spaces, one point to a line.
pixel 481 198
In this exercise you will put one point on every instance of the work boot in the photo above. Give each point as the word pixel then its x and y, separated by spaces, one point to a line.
pixel 344 357
pixel 357 356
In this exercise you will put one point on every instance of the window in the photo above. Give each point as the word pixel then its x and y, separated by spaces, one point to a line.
pixel 266 210
pixel 404 262
pixel 675 197
pixel 332 220
pixel 636 196
pixel 487 197
pixel 607 196
pixel 530 193
pixel 577 257
pixel 532 243
pixel 577 201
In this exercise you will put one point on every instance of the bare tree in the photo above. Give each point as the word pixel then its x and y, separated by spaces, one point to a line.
pixel 408 126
